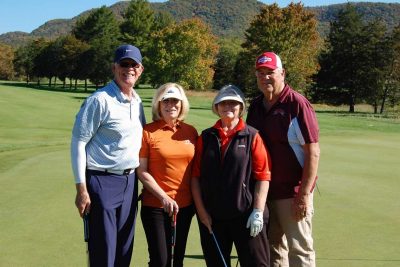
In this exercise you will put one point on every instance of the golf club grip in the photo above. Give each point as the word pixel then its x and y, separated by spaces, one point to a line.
pixel 173 228
pixel 86 227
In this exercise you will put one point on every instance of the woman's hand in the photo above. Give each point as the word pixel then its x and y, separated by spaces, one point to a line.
pixel 170 206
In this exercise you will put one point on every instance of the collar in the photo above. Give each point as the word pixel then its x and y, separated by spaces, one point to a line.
pixel 163 125
pixel 284 93
pixel 240 126
pixel 120 96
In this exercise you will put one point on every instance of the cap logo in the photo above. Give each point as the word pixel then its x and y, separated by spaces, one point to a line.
pixel 264 59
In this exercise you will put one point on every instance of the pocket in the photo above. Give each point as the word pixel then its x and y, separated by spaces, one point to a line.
pixel 95 190
pixel 93 184
pixel 246 199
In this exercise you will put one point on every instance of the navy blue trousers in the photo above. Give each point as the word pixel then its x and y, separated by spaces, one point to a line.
pixel 157 226
pixel 112 218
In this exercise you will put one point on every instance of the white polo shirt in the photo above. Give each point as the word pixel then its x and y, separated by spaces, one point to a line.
pixel 111 126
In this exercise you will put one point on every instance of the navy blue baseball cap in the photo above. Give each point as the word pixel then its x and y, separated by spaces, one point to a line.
pixel 128 51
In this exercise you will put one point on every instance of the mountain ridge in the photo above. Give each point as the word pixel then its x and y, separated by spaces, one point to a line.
pixel 225 19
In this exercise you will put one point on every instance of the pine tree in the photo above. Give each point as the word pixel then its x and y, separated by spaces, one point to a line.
pixel 101 31
pixel 138 23
pixel 340 77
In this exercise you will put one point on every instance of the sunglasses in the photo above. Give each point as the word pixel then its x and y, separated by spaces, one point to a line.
pixel 126 64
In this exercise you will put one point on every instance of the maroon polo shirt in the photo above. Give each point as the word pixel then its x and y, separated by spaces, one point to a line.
pixel 289 124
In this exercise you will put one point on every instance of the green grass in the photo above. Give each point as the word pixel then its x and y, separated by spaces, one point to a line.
pixel 357 211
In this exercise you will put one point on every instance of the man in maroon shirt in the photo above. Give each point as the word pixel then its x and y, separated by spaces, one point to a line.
pixel 289 128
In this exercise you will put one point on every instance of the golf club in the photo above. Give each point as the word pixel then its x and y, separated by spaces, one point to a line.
pixel 86 234
pixel 173 237
pixel 219 250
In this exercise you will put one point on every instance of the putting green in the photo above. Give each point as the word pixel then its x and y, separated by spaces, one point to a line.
pixel 357 211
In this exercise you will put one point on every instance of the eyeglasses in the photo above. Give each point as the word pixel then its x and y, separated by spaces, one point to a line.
pixel 125 64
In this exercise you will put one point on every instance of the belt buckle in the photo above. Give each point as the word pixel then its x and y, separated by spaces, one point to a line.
pixel 127 171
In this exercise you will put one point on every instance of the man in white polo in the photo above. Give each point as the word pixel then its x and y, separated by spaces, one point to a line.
pixel 105 145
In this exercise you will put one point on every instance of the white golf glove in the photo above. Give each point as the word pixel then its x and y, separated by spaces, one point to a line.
pixel 255 222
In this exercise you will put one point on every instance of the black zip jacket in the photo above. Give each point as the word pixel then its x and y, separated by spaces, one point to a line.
pixel 228 188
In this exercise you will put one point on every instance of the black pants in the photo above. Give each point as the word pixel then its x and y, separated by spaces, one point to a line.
pixel 252 251
pixel 157 226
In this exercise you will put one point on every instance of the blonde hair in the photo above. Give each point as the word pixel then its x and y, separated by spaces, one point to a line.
pixel 155 104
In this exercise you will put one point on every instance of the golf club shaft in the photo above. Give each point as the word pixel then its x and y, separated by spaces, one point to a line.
pixel 173 237
pixel 219 249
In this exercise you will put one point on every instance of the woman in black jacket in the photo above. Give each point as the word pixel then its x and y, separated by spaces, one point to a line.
pixel 230 184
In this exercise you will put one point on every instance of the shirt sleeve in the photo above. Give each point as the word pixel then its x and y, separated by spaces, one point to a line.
pixel 308 123
pixel 197 157
pixel 261 160
pixel 78 160
pixel 88 119
pixel 144 150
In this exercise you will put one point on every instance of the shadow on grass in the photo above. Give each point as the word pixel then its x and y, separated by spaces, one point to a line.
pixel 79 97
pixel 196 257
pixel 364 114
pixel 34 86
pixel 201 257
pixel 80 90
pixel 60 88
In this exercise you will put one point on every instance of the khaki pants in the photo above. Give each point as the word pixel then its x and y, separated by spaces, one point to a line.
pixel 291 242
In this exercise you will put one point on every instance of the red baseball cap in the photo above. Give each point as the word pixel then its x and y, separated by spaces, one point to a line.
pixel 268 60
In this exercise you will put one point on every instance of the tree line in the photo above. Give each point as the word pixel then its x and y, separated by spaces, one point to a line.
pixel 356 63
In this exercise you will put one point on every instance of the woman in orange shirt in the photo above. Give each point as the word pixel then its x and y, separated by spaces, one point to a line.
pixel 165 170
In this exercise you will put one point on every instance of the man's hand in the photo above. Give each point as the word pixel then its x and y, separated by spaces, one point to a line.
pixel 255 222
pixel 300 206
pixel 82 199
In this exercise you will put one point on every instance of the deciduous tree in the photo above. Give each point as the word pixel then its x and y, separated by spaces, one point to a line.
pixel 25 56
pixel 184 53
pixel 71 52
pixel 290 32
pixel 392 85
pixel 6 62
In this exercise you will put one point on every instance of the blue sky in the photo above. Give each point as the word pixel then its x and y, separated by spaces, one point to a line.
pixel 27 15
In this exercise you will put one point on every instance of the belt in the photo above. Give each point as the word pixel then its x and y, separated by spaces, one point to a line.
pixel 118 172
